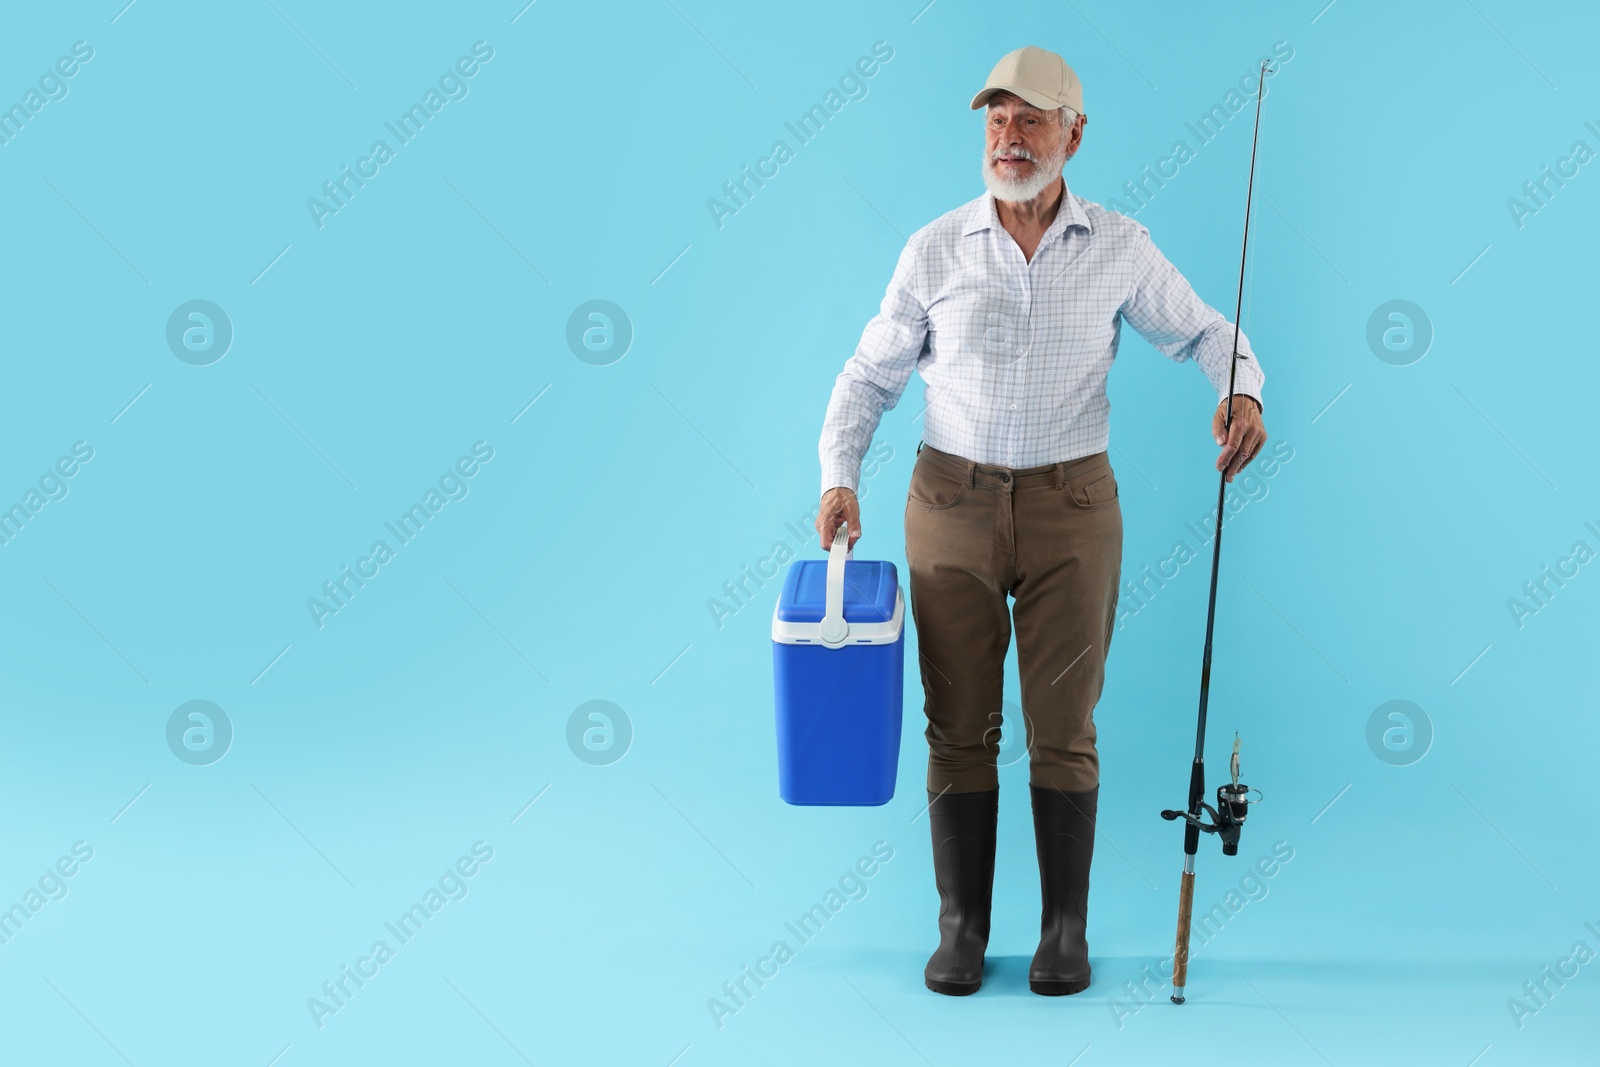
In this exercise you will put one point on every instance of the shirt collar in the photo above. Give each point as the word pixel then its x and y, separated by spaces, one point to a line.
pixel 984 215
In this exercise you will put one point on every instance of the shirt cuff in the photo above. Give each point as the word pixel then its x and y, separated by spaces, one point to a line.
pixel 1238 393
pixel 836 479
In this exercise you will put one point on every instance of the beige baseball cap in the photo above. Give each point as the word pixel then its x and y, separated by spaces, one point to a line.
pixel 1039 76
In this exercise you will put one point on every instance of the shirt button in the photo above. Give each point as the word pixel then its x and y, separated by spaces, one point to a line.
pixel 1019 350
pixel 1013 407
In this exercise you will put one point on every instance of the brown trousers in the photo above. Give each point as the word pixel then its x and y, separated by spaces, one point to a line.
pixel 1050 537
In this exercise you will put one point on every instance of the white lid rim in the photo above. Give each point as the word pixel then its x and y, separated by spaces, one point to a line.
pixel 860 633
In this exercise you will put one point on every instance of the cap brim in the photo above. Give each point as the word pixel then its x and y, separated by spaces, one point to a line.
pixel 1043 103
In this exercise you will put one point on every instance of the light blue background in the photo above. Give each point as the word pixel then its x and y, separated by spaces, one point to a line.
pixel 425 716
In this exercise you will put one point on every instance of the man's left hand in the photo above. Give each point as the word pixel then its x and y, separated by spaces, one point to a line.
pixel 1241 442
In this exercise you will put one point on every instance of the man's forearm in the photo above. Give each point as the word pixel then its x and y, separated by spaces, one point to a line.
pixel 1167 312
pixel 854 411
pixel 874 377
pixel 1215 354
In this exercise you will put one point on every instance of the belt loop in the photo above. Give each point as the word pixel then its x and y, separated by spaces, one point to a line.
pixel 1061 474
pixel 919 446
pixel 970 479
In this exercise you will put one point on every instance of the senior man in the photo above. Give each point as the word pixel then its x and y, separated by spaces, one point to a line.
pixel 1011 306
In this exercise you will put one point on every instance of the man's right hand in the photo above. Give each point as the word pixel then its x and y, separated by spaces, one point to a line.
pixel 839 505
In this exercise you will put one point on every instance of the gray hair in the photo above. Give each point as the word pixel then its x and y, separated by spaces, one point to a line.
pixel 1060 113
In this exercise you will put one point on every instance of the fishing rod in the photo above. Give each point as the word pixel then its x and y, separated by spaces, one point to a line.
pixel 1233 804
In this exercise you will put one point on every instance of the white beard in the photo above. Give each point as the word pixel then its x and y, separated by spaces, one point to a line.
pixel 1023 189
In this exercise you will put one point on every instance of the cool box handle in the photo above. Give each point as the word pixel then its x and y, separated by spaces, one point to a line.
pixel 834 631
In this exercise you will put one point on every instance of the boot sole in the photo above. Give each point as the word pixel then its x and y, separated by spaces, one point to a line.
pixel 952 989
pixel 1058 989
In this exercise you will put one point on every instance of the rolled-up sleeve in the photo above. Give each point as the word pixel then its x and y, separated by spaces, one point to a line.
pixel 874 378
pixel 1169 314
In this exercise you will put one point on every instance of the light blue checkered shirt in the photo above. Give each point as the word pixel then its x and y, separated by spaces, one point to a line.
pixel 1015 353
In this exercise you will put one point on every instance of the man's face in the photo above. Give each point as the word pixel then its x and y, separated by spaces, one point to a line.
pixel 1024 147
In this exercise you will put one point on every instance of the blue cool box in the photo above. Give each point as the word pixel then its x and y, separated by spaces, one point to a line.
pixel 840 680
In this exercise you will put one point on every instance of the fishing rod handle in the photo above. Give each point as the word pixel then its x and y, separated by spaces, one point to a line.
pixel 1180 954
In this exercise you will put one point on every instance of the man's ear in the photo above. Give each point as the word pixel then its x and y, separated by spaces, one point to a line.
pixel 1075 136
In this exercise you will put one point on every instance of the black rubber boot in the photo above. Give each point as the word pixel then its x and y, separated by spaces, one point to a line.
pixel 963 827
pixel 1063 829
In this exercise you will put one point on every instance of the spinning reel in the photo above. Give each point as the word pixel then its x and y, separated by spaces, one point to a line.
pixel 1227 818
